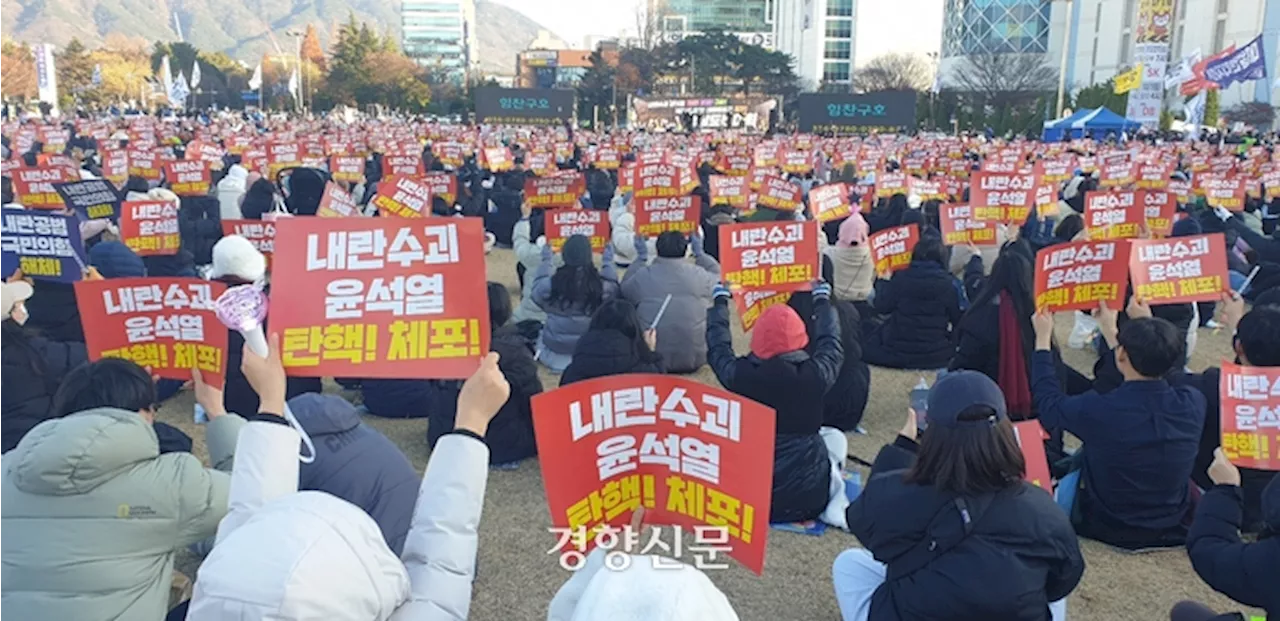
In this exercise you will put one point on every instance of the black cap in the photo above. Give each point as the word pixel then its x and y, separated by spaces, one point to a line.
pixel 957 391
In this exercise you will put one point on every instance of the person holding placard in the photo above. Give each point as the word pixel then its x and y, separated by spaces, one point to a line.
pixel 570 295
pixel 672 295
pixel 854 270
pixel 615 344
pixel 921 307
pixel 1131 485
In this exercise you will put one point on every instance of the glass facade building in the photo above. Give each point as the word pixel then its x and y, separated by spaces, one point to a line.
pixel 727 15
pixel 439 34
pixel 978 27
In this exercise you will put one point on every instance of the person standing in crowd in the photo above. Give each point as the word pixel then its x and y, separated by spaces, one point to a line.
pixel 359 577
pixel 1132 482
pixel 807 457
pixel 615 344
pixel 510 438
pixel 93 511
pixel 231 190
pixel 943 514
pixel 570 295
pixel 33 367
pixel 854 270
pixel 921 307
pixel 648 285
pixel 1245 572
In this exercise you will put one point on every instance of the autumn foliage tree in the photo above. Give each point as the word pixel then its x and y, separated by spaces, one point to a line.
pixel 17 71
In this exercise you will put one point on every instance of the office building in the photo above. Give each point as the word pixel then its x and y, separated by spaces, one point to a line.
pixel 559 68
pixel 972 28
pixel 440 35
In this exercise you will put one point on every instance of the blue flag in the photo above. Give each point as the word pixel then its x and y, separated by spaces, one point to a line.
pixel 1247 63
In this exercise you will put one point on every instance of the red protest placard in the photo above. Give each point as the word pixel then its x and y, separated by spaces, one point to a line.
pixel 1159 208
pixel 259 233
pixel 403 197
pixel 658 215
pixel 1250 415
pixel 891 248
pixel 751 303
pixel 150 227
pixel 888 184
pixel 167 325
pixel 959 228
pixel 282 155
pixel 555 192
pixel 688 453
pixel 796 162
pixel 337 203
pixel 347 168
pixel 115 166
pixel 1113 215
pixel 606 158
pixel 145 163
pixel 1031 436
pixel 561 224
pixel 1179 269
pixel 1118 174
pixel 1002 196
pixel 444 184
pixel 780 255
pixel 380 297
pixel 496 159
pixel 407 165
pixel 1154 175
pixel 730 191
pixel 658 179
pixel 33 187
pixel 1079 275
pixel 1225 192
pixel 188 177
pixel 448 153
pixel 830 202
pixel 778 193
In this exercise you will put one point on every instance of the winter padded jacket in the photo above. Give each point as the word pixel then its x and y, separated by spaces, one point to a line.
pixel 54 312
pixel 566 323
pixel 921 304
pixel 93 513
pixel 329 559
pixel 855 272
pixel 793 384
pixel 1014 554
pixel 29 385
pixel 1246 572
pixel 601 353
pixel 684 323
pixel 529 255
pixel 358 464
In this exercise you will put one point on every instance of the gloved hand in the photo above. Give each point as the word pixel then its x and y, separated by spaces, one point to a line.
pixel 695 242
pixel 1222 213
pixel 821 292
pixel 641 247
pixel 721 291
pixel 546 251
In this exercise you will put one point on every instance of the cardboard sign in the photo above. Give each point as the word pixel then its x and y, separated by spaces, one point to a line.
pixel 557 192
pixel 449 154
pixel 33 188
pixel 409 165
pixel 1154 175
pixel 1181 190
pixel 259 233
pixel 496 159
pixel 960 228
pixel 891 248
pixel 115 166
pixel 1031 436
pixel 689 453
pixel 652 180
pixel 44 246
pixel 796 162
pixel 830 202
pixel 1225 192
pixel 561 224
pixel 346 168
pixel 374 297
pixel 150 227
pixel 1159 208
pixel 929 189
pixel 779 256
pixel 752 303
pixel 606 158
pixel 1003 197
pixel 145 163
pixel 727 190
pixel 166 325
pixel 1113 215
pixel 888 184
pixel 402 197
pixel 282 155
pixel 658 215
pixel 1116 175
pixel 188 177
pixel 444 184
pixel 1250 415
pixel 1179 269
pixel 1056 170
pixel 337 203
pixel 778 193
pixel 92 198
pixel 1079 275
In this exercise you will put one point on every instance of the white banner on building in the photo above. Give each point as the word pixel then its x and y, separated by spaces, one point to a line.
pixel 46 75
pixel 1151 49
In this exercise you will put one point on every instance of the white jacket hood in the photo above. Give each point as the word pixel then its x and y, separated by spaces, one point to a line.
pixel 639 593
pixel 307 556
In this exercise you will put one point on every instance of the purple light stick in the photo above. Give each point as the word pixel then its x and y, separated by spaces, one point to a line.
pixel 243 309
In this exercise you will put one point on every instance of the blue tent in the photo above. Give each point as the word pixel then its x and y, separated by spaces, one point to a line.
pixel 1088 123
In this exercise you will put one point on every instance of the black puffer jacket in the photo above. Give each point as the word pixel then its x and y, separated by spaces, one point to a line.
pixel 200 224
pixel 54 312
pixel 1015 555
pixel 846 401
pixel 32 372
pixel 793 384
pixel 601 353
pixel 921 305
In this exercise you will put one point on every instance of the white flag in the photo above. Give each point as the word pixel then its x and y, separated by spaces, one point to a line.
pixel 255 82
pixel 166 76
pixel 293 83
pixel 1178 74
pixel 180 91
pixel 195 74
pixel 1194 110
pixel 96 80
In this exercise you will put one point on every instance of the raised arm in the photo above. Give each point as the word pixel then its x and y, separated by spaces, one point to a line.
pixel 719 338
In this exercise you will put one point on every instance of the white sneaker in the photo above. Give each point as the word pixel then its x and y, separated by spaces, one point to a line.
pixel 1212 324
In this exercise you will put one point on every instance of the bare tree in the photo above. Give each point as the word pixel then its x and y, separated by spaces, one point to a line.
pixel 894 72
pixel 649 22
pixel 1006 79
pixel 1252 113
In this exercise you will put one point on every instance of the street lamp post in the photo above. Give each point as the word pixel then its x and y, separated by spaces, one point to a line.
pixel 301 99
pixel 1062 64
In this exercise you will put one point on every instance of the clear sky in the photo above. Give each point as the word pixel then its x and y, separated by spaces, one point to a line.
pixel 883 25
